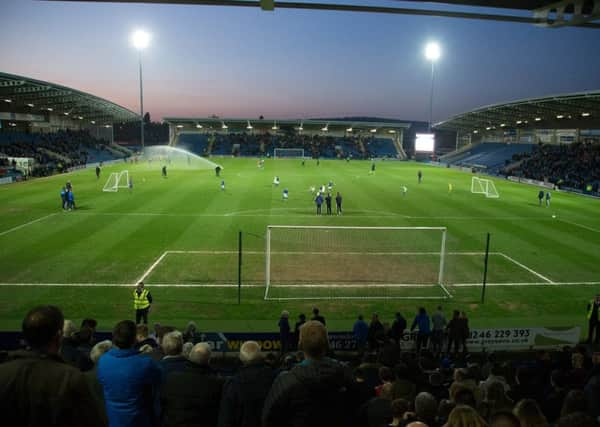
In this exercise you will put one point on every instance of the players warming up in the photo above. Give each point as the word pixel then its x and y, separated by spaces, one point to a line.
pixel 164 171
pixel 404 190
pixel 372 171
pixel 330 186
pixel 130 184
pixel 449 187
pixel 420 176
pixel 285 194
pixel 541 196
pixel 218 171
pixel 97 172
pixel 276 181
pixel 548 197
pixel 338 203
pixel 222 185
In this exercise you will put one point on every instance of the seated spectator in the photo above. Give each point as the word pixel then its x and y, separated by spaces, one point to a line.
pixel 504 419
pixel 399 408
pixel 187 349
pixel 529 414
pixel 404 387
pixel 496 399
pixel 313 392
pixel 172 345
pixel 191 334
pixel 553 401
pixel 463 379
pixel 465 416
pixel 592 388
pixel 191 396
pixel 378 410
pixel 386 376
pixel 36 387
pixel 574 402
pixel 577 419
pixel 244 394
pixel 426 408
pixel 496 375
pixel 436 387
pixel 142 338
pixel 361 390
pixel 128 379
pixel 578 373
pixel 443 412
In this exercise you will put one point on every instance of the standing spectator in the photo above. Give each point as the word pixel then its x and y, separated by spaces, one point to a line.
pixel 438 321
pixel 426 408
pixel 141 303
pixel 244 394
pixel 128 379
pixel 328 203
pixel 191 334
pixel 141 337
pixel 360 331
pixel 593 322
pixel 375 333
pixel 172 346
pixel 422 322
pixel 465 416
pixel 378 410
pixel 36 387
pixel 464 331
pixel 191 397
pixel 301 321
pixel 91 376
pixel 284 332
pixel 454 332
pixel 529 414
pixel 398 327
pixel 319 202
pixel 313 393
pixel 592 387
pixel 317 316
pixel 399 408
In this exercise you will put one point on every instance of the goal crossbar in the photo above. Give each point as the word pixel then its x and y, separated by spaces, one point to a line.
pixel 288 153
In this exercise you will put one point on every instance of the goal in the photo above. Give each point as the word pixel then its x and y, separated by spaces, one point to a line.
pixel 320 262
pixel 288 153
pixel 116 180
pixel 484 186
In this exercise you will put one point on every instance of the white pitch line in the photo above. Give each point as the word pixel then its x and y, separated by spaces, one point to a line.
pixel 526 268
pixel 466 285
pixel 585 227
pixel 147 272
pixel 325 253
pixel 26 224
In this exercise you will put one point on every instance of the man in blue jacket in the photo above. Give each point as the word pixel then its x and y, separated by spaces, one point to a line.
pixel 421 321
pixel 128 379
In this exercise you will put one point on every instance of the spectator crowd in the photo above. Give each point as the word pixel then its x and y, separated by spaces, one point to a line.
pixel 166 377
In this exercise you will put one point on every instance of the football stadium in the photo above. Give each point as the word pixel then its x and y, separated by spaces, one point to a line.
pixel 455 258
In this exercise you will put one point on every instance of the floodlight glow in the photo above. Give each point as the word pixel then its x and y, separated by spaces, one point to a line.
pixel 432 51
pixel 8 100
pixel 325 129
pixel 373 130
pixel 140 39
pixel 198 126
pixel 585 114
pixel 93 122
pixel 425 142
pixel 391 131
pixel 66 113
pixel 488 128
pixel 560 116
pixel 107 126
pixel 537 119
pixel 80 117
pixel 249 127
pixel 300 128
pixel 519 122
pixel 30 105
pixel 502 125
pixel 475 131
pixel 349 130
pixel 179 126
pixel 12 124
pixel 224 126
pixel 49 109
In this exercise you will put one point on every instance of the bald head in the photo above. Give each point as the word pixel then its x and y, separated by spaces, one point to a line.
pixel 200 354
pixel 313 339
pixel 250 353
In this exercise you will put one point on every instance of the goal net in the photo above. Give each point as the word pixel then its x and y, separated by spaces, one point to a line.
pixel 319 262
pixel 484 186
pixel 288 153
pixel 116 180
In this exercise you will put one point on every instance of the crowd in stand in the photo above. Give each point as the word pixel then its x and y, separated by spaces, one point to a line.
pixel 168 378
pixel 574 165
pixel 52 152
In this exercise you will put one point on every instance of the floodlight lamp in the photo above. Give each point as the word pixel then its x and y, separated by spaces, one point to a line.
pixel 325 129
pixel 585 114
pixel 30 105
pixel 560 116
pixel 80 117
pixel 537 119
pixel 488 128
pixel 179 126
pixel 519 122
pixel 107 126
pixel 373 130
pixel 93 122
pixel 224 126
pixel 300 128
pixel 249 127
pixel 50 109
pixel 198 126
pixel 275 127
pixel 432 51
pixel 475 131
pixel 391 131
pixel 140 39
pixel 8 100
pixel 349 130
pixel 502 125
pixel 66 113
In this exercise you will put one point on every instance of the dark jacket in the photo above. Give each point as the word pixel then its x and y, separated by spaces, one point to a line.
pixel 312 394
pixel 191 397
pixel 37 389
pixel 244 396
pixel 128 379
pixel 592 392
pixel 173 363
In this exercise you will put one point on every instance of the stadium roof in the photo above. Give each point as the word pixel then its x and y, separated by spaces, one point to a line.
pixel 314 125
pixel 29 95
pixel 575 110
pixel 545 13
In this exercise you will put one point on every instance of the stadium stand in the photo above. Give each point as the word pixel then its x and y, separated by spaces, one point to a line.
pixel 55 152
pixel 380 388
pixel 489 155
pixel 574 166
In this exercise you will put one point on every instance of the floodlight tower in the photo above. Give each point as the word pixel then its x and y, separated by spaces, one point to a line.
pixel 140 40
pixel 432 53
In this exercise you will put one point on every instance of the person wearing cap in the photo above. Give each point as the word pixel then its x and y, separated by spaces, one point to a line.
pixel 593 321
pixel 141 303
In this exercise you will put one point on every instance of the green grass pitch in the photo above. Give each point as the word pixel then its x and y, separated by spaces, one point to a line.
pixel 543 269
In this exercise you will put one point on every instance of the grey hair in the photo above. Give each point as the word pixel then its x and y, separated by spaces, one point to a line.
pixel 99 349
pixel 187 348
pixel 200 354
pixel 250 352
pixel 426 405
pixel 172 343
pixel 146 348
pixel 69 329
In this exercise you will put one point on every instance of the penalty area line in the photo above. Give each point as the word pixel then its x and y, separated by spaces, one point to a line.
pixel 18 227
pixel 523 266
pixel 152 267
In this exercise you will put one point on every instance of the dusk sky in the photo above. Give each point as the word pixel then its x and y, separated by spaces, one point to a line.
pixel 241 62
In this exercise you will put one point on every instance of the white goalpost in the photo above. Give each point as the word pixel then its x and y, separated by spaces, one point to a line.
pixel 288 153
pixel 484 186
pixel 321 262
pixel 116 180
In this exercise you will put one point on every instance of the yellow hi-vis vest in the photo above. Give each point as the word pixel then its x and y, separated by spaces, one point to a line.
pixel 140 301
pixel 590 310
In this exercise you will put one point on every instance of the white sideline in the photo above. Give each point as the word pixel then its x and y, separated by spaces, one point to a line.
pixel 585 227
pixel 18 227
pixel 526 268
pixel 147 272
